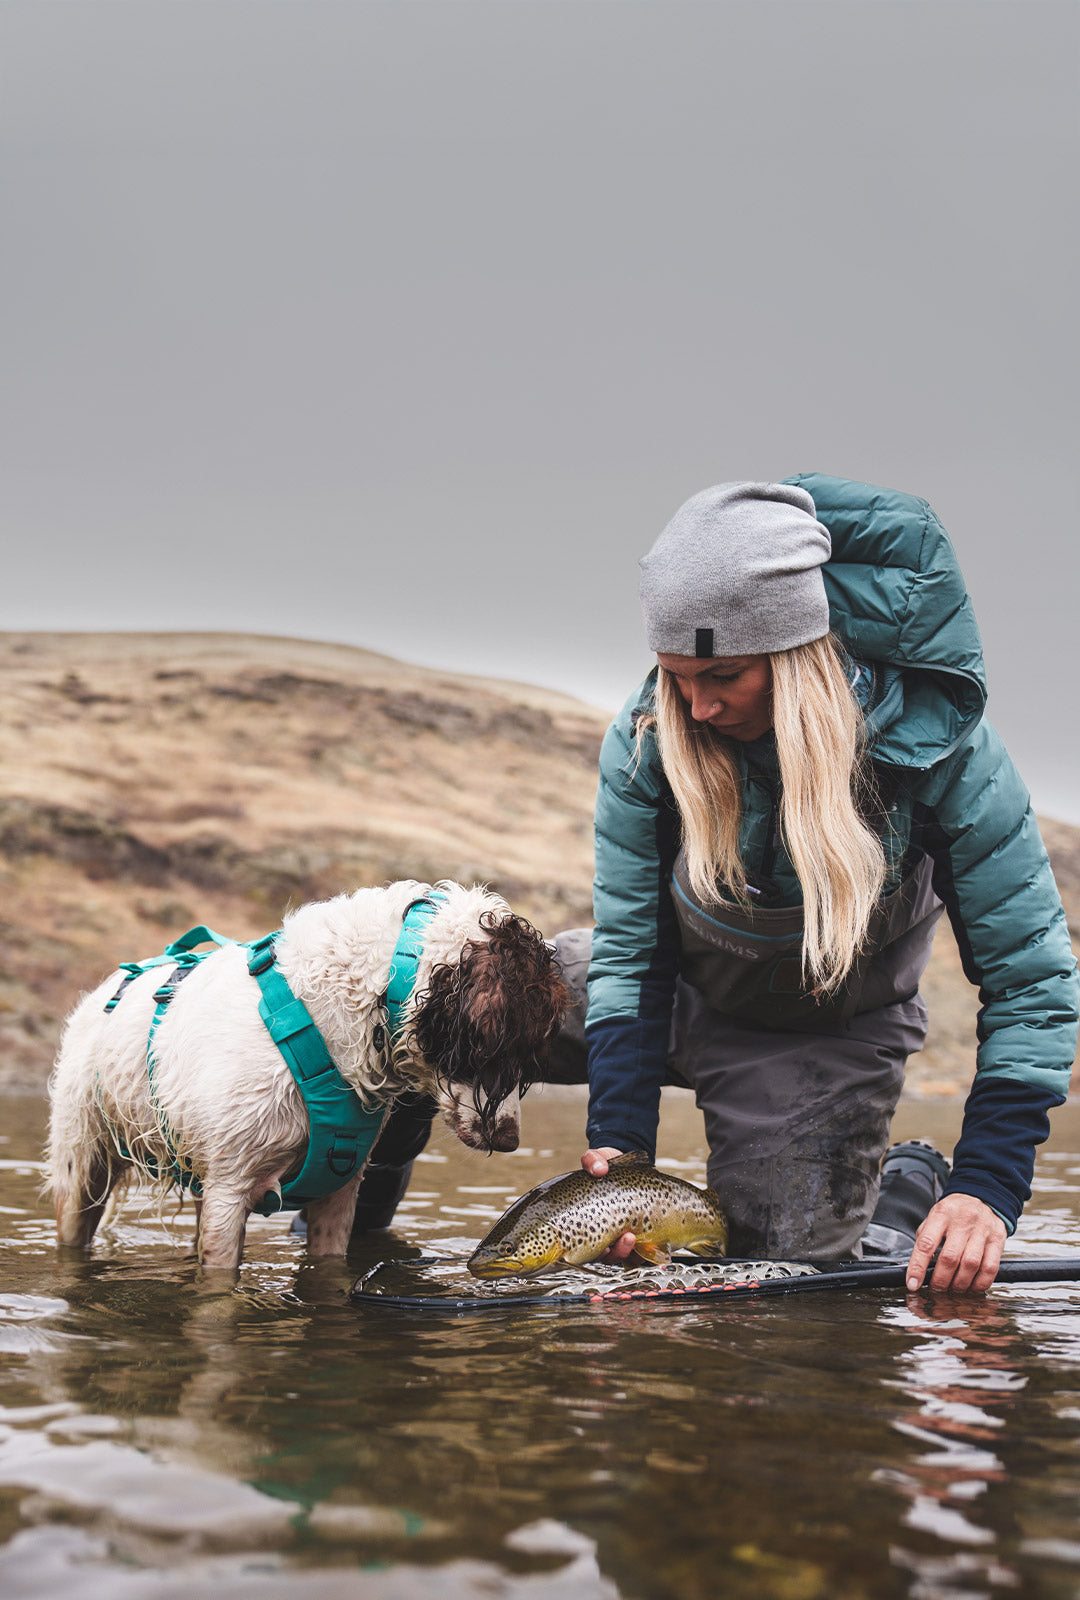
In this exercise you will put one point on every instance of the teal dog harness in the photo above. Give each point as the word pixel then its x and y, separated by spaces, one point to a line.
pixel 341 1129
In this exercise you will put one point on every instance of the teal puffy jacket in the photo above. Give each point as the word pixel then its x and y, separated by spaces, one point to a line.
pixel 899 605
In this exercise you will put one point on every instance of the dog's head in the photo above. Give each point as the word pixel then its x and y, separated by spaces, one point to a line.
pixel 480 1024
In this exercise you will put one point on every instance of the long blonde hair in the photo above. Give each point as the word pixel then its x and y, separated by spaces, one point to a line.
pixel 838 858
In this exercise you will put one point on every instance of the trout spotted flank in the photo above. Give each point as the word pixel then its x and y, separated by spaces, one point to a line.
pixel 574 1218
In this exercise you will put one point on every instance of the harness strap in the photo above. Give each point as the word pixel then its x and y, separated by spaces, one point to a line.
pixel 131 971
pixel 181 1168
pixel 406 957
pixel 182 955
pixel 341 1128
pixel 181 950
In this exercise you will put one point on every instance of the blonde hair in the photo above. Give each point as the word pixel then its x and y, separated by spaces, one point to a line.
pixel 838 858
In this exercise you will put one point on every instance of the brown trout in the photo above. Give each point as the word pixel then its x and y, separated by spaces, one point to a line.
pixel 575 1217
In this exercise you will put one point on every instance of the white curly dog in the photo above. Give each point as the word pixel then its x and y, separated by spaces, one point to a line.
pixel 222 1103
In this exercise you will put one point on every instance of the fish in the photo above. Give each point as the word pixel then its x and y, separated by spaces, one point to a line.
pixel 575 1217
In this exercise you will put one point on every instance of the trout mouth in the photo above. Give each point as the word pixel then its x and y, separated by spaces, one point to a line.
pixel 497 1269
pixel 511 1266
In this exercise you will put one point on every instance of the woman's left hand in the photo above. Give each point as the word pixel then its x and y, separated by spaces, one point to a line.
pixel 971 1237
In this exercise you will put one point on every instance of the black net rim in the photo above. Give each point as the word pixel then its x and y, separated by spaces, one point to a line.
pixel 836 1275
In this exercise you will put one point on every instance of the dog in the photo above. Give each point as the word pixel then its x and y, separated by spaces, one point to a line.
pixel 222 1105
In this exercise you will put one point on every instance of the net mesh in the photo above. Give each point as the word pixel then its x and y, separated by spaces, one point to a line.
pixel 448 1278
pixel 682 1275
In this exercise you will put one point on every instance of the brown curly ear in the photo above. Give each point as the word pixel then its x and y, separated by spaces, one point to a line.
pixel 484 1019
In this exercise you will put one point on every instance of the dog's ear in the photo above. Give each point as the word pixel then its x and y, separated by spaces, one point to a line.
pixel 486 1018
pixel 512 986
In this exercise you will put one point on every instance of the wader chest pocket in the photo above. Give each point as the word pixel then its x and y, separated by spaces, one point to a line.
pixel 746 961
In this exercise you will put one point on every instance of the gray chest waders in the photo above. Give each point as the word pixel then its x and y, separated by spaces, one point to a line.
pixel 746 962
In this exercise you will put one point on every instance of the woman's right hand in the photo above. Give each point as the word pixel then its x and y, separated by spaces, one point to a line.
pixel 595 1163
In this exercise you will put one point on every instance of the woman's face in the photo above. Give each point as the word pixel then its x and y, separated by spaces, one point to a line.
pixel 733 694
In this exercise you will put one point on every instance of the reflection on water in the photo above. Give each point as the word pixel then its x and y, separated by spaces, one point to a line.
pixel 161 1436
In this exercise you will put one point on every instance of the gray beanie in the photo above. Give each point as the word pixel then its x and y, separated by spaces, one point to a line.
pixel 737 572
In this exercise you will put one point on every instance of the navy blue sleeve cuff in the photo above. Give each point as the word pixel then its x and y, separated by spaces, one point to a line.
pixel 1004 1120
pixel 627 1061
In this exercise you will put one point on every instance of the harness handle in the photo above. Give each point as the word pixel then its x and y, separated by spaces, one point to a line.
pixel 188 941
pixel 179 954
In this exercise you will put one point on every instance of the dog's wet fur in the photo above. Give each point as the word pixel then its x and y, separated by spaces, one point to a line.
pixel 488 999
pixel 479 1019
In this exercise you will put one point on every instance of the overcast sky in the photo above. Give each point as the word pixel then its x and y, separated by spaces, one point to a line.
pixel 410 324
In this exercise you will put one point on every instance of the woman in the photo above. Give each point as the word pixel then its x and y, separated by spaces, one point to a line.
pixel 785 805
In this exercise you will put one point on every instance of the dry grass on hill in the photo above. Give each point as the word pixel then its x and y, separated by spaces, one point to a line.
pixel 153 781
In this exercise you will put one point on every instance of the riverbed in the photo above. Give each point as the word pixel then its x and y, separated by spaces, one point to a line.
pixel 165 1437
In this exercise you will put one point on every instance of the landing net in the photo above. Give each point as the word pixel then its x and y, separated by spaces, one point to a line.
pixel 443 1284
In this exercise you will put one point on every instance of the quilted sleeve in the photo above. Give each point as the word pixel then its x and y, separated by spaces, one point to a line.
pixel 992 872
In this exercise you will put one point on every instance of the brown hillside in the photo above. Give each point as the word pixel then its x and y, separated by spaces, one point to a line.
pixel 152 781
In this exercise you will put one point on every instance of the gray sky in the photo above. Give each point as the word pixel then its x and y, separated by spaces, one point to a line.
pixel 410 324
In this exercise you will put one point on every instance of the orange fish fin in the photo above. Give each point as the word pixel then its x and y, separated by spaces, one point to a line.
pixel 549 1257
pixel 707 1247
pixel 657 1255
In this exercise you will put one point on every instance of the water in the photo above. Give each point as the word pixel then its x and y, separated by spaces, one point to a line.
pixel 160 1438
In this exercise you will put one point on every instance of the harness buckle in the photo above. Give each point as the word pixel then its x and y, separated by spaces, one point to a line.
pixel 165 993
pixel 112 1003
pixel 262 956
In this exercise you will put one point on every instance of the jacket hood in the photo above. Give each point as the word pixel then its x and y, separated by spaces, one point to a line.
pixel 897 598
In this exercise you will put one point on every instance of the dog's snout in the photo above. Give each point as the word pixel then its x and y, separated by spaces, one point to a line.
pixel 507 1134
pixel 505 1138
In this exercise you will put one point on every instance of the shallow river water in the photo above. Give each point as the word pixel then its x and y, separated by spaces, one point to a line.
pixel 164 1438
